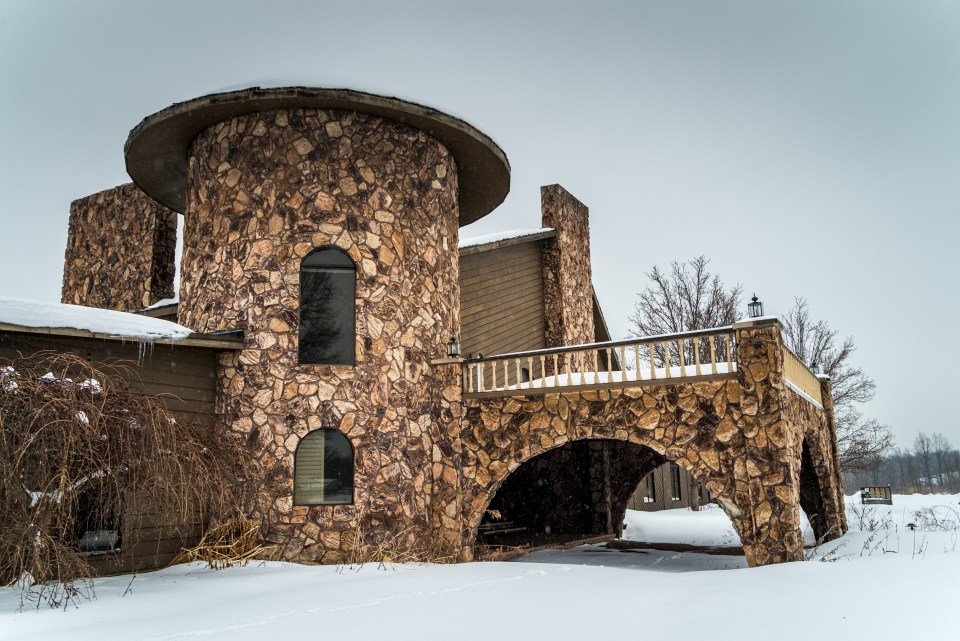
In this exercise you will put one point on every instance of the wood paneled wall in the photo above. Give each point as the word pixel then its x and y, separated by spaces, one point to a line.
pixel 184 379
pixel 501 300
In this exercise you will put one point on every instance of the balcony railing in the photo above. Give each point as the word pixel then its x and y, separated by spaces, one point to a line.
pixel 669 358
pixel 800 376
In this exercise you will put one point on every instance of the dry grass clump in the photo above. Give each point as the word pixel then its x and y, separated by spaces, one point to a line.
pixel 232 543
pixel 80 451
pixel 376 540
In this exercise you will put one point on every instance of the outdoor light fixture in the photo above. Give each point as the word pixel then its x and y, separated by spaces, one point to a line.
pixel 815 368
pixel 755 309
pixel 453 347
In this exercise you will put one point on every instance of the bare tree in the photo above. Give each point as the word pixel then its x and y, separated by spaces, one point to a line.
pixel 862 442
pixel 689 297
pixel 941 452
pixel 923 450
pixel 686 298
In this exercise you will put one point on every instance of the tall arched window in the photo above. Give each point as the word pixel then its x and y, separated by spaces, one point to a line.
pixel 323 469
pixel 328 292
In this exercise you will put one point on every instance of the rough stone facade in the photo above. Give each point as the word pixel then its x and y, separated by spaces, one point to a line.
pixel 567 272
pixel 267 188
pixel 741 437
pixel 120 250
pixel 821 492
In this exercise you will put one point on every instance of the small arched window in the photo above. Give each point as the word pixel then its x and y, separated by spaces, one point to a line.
pixel 323 469
pixel 328 292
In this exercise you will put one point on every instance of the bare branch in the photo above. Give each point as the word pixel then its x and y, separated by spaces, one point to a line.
pixel 862 443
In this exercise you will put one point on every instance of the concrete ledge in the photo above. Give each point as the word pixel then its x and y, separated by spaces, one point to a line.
pixel 762 320
pixel 156 151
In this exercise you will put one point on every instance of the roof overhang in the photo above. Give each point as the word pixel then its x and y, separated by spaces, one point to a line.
pixel 156 150
pixel 210 341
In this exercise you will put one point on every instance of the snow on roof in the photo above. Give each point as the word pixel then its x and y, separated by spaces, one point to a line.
pixel 501 235
pixel 163 303
pixel 32 313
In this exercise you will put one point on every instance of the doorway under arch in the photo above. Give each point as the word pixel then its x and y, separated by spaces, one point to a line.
pixel 576 491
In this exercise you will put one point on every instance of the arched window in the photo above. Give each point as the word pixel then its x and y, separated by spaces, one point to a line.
pixel 328 292
pixel 323 469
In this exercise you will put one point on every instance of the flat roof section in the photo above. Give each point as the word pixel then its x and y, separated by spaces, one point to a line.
pixel 156 150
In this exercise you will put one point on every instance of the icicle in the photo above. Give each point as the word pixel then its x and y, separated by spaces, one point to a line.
pixel 144 349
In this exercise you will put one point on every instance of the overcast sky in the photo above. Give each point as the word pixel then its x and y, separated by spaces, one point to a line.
pixel 808 148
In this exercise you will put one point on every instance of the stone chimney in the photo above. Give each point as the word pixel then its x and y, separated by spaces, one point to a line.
pixel 567 275
pixel 120 250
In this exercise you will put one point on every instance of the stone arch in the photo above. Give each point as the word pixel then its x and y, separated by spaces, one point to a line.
pixel 811 494
pixel 502 434
pixel 573 490
pixel 820 496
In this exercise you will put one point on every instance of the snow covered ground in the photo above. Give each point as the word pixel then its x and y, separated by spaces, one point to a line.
pixel 878 585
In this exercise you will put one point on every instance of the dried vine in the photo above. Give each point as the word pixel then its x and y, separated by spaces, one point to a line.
pixel 80 450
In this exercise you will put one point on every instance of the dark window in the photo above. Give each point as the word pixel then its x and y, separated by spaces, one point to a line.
pixel 328 291
pixel 649 488
pixel 323 469
pixel 97 524
pixel 524 375
pixel 675 481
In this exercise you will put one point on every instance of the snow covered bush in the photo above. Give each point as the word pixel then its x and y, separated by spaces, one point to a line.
pixel 80 451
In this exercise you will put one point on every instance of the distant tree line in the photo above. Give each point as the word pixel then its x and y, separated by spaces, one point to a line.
pixel 932 465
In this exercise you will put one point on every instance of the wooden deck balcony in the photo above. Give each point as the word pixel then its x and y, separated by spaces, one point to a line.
pixel 667 359
pixel 658 360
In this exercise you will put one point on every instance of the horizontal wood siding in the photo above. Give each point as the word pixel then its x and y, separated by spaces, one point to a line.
pixel 663 483
pixel 501 300
pixel 184 378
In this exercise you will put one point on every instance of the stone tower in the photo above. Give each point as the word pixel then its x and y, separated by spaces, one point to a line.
pixel 266 177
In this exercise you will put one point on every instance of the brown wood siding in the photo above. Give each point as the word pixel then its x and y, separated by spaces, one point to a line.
pixel 184 379
pixel 663 484
pixel 501 300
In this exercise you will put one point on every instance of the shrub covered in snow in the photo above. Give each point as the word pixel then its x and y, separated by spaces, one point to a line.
pixel 78 448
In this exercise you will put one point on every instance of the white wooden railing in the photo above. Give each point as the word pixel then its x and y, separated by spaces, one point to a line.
pixel 800 376
pixel 673 358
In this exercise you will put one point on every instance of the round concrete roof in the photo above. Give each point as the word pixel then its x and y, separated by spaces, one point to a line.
pixel 156 151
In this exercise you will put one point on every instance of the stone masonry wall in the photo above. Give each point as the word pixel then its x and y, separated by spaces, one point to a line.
pixel 120 250
pixel 267 188
pixel 567 274
pixel 821 486
pixel 740 437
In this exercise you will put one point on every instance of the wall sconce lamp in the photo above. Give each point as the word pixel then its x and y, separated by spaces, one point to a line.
pixel 453 348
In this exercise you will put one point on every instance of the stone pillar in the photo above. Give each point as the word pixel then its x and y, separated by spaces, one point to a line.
pixel 832 476
pixel 567 274
pixel 767 476
pixel 120 250
pixel 267 188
